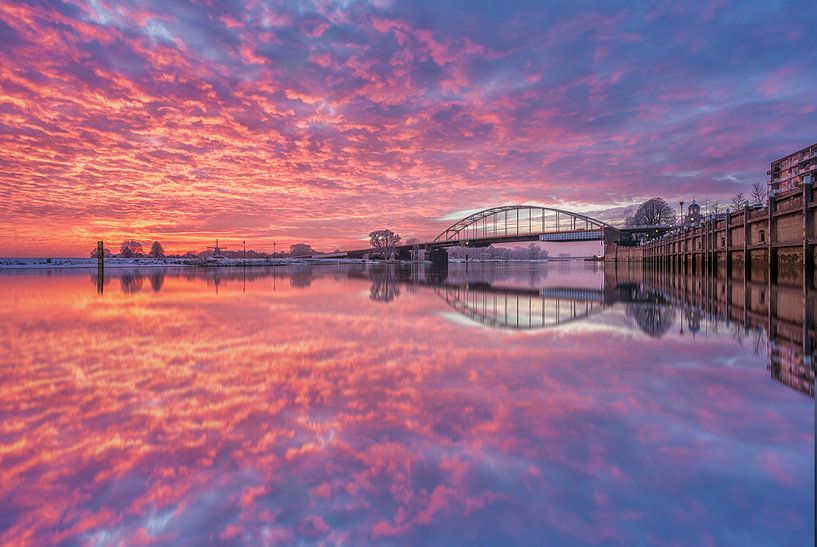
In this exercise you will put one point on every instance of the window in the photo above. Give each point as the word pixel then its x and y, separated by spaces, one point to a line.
pixel 761 236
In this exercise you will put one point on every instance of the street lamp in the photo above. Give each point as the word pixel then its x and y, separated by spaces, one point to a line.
pixel 681 218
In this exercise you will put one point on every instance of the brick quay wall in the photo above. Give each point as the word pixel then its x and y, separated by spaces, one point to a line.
pixel 753 242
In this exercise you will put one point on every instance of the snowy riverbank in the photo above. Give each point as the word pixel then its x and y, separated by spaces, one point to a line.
pixel 86 263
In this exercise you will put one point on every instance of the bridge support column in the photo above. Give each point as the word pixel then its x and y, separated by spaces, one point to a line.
pixel 404 254
pixel 438 257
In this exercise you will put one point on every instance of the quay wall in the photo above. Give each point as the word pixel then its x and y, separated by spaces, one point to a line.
pixel 755 240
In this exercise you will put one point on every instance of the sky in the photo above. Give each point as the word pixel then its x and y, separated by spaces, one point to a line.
pixel 319 122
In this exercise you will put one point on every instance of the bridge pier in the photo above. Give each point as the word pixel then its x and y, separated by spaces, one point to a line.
pixel 404 254
pixel 438 257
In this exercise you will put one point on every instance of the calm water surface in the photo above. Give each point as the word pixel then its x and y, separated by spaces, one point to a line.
pixel 497 404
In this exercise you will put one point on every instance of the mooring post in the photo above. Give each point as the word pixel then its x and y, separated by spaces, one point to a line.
pixel 747 300
pixel 709 243
pixel 772 239
pixel 747 233
pixel 808 236
pixel 713 246
pixel 728 289
pixel 727 243
pixel 100 266
pixel 705 248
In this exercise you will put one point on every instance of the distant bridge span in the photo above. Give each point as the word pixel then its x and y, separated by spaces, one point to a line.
pixel 521 223
pixel 524 221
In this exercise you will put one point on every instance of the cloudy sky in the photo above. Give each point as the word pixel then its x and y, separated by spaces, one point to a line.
pixel 321 121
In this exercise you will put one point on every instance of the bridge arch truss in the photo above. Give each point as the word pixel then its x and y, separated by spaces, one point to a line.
pixel 509 221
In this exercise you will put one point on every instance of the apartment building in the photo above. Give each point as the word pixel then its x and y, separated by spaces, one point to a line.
pixel 792 170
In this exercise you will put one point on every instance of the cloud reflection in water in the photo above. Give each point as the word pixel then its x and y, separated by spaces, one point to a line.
pixel 293 408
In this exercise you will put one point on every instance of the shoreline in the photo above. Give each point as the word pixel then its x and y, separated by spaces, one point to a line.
pixel 7 264
pixel 117 263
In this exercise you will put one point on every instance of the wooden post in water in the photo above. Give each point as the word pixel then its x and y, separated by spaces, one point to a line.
pixel 808 236
pixel 747 232
pixel 771 237
pixel 727 243
pixel 100 266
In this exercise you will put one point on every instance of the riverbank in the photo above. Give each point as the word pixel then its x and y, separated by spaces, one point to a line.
pixel 91 263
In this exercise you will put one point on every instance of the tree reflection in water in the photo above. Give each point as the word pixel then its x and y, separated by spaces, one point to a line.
pixel 517 297
pixel 131 283
pixel 204 413
pixel 384 286
pixel 157 280
pixel 654 320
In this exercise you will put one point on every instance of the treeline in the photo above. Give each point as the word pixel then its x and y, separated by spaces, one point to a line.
pixel 135 249
pixel 132 249
pixel 530 252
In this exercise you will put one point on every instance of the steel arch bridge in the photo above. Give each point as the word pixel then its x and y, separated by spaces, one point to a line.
pixel 515 222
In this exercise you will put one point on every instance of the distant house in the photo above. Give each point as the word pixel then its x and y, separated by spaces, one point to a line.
pixel 793 170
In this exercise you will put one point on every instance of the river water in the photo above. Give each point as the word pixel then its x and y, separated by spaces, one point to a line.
pixel 494 404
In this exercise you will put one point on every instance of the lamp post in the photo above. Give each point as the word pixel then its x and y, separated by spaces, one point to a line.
pixel 245 251
pixel 681 218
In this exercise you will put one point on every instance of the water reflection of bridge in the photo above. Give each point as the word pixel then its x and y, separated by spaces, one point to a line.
pixel 778 320
pixel 522 309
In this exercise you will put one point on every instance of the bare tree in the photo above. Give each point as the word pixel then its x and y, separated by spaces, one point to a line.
pixel 384 242
pixel 533 251
pixel 760 193
pixel 300 249
pixel 652 212
pixel 715 207
pixel 156 250
pixel 105 252
pixel 738 200
pixel 131 249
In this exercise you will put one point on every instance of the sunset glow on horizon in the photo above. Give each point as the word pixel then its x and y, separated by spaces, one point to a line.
pixel 319 122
